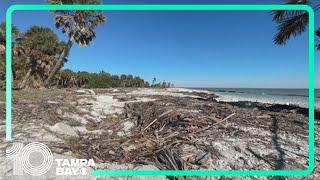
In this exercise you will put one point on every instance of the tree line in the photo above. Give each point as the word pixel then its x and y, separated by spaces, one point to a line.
pixel 69 78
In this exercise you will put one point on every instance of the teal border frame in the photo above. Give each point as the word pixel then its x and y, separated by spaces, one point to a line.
pixel 116 7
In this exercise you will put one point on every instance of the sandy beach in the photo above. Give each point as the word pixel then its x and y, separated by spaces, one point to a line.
pixel 147 128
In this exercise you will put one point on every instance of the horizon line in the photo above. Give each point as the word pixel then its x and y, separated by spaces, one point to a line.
pixel 197 87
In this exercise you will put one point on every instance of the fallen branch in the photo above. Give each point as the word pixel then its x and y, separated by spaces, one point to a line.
pixel 163 114
pixel 216 122
pixel 219 122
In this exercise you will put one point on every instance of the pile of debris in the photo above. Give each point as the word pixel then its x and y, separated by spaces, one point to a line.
pixel 190 133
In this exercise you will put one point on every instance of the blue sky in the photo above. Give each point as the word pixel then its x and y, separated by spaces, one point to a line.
pixel 188 48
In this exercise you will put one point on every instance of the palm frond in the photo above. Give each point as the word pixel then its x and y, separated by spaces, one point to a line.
pixel 291 23
pixel 318 32
pixel 318 38
pixel 279 15
pixel 282 15
pixel 291 27
pixel 78 25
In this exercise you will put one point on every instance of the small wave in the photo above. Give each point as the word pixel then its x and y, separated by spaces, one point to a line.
pixel 293 95
pixel 232 91
pixel 298 95
pixel 222 91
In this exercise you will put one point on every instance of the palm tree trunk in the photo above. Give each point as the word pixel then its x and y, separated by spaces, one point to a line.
pixel 25 79
pixel 60 62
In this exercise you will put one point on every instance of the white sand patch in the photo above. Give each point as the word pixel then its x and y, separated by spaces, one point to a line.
pixel 237 149
pixel 127 126
pixel 144 99
pixel 84 130
pixel 63 129
pixel 159 92
pixel 85 92
pixel 226 150
pixel 75 117
pixel 105 105
pixel 254 131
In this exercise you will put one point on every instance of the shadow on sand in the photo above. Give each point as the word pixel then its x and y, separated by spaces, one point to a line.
pixel 280 162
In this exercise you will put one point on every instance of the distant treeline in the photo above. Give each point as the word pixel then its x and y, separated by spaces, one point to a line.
pixel 68 79
pixel 35 53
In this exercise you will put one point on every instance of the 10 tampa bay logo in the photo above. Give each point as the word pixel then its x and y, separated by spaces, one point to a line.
pixel 20 155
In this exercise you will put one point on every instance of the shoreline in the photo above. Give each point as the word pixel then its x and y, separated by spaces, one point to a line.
pixel 251 103
pixel 268 99
pixel 222 97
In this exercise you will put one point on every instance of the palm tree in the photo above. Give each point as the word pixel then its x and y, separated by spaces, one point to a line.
pixel 123 78
pixel 15 34
pixel 78 25
pixel 154 80
pixel 294 22
pixel 41 47
pixel 15 50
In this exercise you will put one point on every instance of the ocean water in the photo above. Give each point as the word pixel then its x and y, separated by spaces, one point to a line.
pixel 279 96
